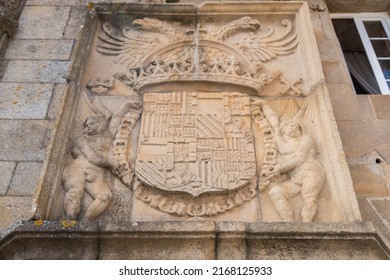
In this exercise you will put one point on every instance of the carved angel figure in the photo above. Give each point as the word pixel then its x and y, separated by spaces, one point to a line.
pixel 88 171
pixel 297 170
pixel 99 152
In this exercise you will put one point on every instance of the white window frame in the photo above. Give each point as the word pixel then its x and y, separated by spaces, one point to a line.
pixel 359 18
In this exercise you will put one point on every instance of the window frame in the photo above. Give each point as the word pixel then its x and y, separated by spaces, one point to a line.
pixel 372 57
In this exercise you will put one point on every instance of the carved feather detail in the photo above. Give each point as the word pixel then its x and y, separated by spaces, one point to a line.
pixel 129 49
pixel 244 23
pixel 265 49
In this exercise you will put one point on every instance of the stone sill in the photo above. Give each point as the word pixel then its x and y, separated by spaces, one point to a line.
pixel 191 240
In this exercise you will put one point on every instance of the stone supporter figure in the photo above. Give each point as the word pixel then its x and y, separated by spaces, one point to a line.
pixel 89 170
pixel 297 170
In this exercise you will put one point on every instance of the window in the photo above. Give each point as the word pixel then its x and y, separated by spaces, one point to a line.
pixel 365 40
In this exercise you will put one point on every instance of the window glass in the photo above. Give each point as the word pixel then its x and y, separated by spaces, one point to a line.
pixel 360 69
pixel 385 65
pixel 381 47
pixel 375 29
pixel 365 41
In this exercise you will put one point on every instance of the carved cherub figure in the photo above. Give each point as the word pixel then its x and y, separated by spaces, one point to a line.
pixel 297 170
pixel 88 171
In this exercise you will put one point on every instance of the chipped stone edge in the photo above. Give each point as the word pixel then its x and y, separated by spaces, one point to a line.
pixel 217 231
pixel 62 124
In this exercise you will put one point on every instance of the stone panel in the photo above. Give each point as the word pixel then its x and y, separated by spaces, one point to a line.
pixel 33 23
pixel 362 137
pixel 54 2
pixel 357 6
pixel 14 208
pixel 381 105
pixel 366 182
pixel 370 214
pixel 335 72
pixel 6 170
pixel 24 101
pixel 204 110
pixel 39 49
pixel 328 51
pixel 348 106
pixel 383 207
pixel 296 249
pixel 44 71
pixel 25 178
pixel 24 140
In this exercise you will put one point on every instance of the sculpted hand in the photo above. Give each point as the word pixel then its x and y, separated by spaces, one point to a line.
pixel 276 171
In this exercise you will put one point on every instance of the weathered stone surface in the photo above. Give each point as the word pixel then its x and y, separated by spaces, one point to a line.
pixel 362 137
pixel 39 49
pixel 348 106
pixel 335 72
pixel 75 23
pixel 54 2
pixel 357 6
pixel 370 214
pixel 14 208
pixel 366 182
pixel 36 239
pixel 56 101
pixel 157 249
pixel 196 175
pixel 25 178
pixel 314 250
pixel 33 24
pixel 24 101
pixel 24 140
pixel 44 71
pixel 6 170
pixel 231 241
pixel 383 208
pixel 328 51
pixel 380 105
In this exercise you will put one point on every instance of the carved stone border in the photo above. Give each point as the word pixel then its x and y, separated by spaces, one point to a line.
pixel 339 179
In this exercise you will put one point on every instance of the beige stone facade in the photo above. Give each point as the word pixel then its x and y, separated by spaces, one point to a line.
pixel 50 65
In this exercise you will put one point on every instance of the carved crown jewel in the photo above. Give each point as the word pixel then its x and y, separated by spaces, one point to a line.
pixel 198 55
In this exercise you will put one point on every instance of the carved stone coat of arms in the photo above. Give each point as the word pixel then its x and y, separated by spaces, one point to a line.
pixel 194 117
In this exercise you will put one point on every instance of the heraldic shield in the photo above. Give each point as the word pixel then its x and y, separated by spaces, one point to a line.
pixel 196 142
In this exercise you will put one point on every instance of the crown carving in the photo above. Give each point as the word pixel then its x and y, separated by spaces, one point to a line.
pixel 200 55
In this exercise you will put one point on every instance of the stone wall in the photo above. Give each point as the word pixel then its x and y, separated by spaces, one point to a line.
pixel 31 90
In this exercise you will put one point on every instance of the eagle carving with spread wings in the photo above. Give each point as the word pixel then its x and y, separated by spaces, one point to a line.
pixel 169 41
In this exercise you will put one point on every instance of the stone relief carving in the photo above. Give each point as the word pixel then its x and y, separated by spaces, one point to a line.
pixel 157 51
pixel 196 154
pixel 120 165
pixel 99 152
pixel 295 170
pixel 89 170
